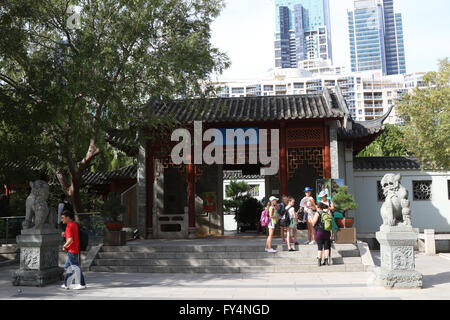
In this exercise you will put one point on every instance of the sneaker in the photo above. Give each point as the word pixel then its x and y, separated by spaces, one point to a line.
pixel 296 243
pixel 271 250
pixel 284 241
pixel 306 242
pixel 78 287
pixel 292 249
pixel 64 286
pixel 312 242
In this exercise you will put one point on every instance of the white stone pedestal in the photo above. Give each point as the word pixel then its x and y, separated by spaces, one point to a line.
pixel 38 258
pixel 397 258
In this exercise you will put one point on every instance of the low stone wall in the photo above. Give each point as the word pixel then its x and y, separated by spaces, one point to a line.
pixel 9 252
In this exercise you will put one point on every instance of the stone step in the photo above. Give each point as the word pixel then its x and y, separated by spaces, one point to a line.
pixel 213 255
pixel 220 262
pixel 344 249
pixel 231 269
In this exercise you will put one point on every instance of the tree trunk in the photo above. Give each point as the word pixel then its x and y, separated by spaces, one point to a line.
pixel 75 196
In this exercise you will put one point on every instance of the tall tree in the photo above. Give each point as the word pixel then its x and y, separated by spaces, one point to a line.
pixel 426 115
pixel 388 144
pixel 67 77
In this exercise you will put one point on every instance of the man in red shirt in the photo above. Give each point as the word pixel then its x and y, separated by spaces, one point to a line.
pixel 72 246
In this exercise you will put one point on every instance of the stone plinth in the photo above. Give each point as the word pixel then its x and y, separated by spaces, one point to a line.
pixel 397 258
pixel 38 257
pixel 114 238
pixel 346 235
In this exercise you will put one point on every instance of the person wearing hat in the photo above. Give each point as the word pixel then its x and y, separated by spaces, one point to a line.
pixel 274 217
pixel 326 199
pixel 308 206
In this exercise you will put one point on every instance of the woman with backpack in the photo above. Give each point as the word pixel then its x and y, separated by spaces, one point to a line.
pixel 292 221
pixel 325 198
pixel 274 217
pixel 322 224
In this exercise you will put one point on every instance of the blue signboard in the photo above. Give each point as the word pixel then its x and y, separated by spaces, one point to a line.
pixel 242 136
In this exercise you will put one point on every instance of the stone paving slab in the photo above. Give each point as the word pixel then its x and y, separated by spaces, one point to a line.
pixel 445 255
pixel 278 286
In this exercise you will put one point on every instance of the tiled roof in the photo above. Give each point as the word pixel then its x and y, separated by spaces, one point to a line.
pixel 362 129
pixel 103 177
pixel 124 140
pixel 28 165
pixel 250 109
pixel 386 163
pixel 237 174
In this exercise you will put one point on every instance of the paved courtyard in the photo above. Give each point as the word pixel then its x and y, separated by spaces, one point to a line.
pixel 349 285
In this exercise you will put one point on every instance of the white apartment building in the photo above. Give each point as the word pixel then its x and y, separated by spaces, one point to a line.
pixel 369 95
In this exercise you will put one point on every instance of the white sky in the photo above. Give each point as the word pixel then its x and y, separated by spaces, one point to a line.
pixel 245 31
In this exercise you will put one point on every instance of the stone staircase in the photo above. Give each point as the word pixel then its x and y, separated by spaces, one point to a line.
pixel 159 258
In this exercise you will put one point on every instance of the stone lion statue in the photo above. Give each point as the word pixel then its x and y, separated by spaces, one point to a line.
pixel 395 209
pixel 38 213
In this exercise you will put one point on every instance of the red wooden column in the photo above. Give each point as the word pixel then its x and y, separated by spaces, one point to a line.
pixel 283 159
pixel 326 153
pixel 149 180
pixel 190 176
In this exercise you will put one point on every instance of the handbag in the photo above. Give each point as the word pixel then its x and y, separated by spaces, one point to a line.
pixel 301 225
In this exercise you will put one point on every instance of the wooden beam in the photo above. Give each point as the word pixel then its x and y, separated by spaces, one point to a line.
pixel 149 179
pixel 327 153
pixel 191 193
pixel 283 159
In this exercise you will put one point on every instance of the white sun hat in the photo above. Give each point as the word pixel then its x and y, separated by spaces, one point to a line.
pixel 273 198
pixel 323 193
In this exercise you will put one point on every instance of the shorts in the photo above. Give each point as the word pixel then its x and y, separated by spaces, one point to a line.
pixel 271 225
pixel 293 224
pixel 323 244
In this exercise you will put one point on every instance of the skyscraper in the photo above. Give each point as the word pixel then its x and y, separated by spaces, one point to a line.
pixel 302 32
pixel 376 37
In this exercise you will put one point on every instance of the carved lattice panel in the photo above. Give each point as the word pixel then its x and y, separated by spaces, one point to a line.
pixel 199 170
pixel 298 157
pixel 422 190
pixel 305 135
pixel 165 162
pixel 380 194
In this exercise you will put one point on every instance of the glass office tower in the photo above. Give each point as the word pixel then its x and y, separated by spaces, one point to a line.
pixel 308 35
pixel 376 37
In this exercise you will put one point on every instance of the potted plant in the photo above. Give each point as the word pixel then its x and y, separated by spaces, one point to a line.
pixel 112 212
pixel 248 214
pixel 344 201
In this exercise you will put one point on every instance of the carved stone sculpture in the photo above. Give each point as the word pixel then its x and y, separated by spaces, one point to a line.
pixel 38 215
pixel 395 210
pixel 397 238
pixel 39 241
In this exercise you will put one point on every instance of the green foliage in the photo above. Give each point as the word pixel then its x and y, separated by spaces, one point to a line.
pixel 344 201
pixel 237 191
pixel 249 211
pixel 61 89
pixel 388 144
pixel 426 115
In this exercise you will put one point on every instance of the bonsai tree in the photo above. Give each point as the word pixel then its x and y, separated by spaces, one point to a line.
pixel 344 201
pixel 113 209
pixel 238 192
pixel 249 212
